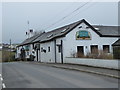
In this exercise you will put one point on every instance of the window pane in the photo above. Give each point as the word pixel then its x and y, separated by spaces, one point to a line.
pixel 59 48
pixel 94 49
pixel 48 49
pixel 106 48
pixel 41 49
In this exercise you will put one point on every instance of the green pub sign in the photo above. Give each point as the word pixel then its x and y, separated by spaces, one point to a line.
pixel 83 34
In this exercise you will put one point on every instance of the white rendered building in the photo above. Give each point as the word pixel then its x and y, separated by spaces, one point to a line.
pixel 67 41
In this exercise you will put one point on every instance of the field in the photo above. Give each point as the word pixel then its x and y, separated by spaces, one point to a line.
pixel 6 56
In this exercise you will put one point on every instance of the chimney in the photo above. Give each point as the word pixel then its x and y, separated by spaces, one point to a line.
pixel 31 32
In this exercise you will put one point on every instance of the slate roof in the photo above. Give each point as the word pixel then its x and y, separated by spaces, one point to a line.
pixel 59 32
pixel 107 30
pixel 117 43
pixel 103 31
pixel 29 40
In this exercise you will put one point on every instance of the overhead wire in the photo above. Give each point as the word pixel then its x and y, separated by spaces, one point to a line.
pixel 68 15
pixel 81 11
pixel 62 11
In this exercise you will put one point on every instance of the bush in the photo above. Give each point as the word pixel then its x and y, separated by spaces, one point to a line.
pixel 100 55
pixel 97 54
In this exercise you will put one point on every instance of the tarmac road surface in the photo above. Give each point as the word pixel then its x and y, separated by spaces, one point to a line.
pixel 28 75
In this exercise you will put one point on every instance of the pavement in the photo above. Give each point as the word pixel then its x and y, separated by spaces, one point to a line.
pixel 114 73
pixel 39 75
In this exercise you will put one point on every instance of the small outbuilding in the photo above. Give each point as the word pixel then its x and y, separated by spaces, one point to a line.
pixel 116 49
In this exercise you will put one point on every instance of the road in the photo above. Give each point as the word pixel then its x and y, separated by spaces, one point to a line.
pixel 1 85
pixel 29 75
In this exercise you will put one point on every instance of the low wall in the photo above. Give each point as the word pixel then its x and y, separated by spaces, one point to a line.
pixel 112 64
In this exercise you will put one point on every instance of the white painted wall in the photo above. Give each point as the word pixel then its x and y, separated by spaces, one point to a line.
pixel 48 56
pixel 18 52
pixel 58 54
pixel 35 53
pixel 70 42
pixel 113 64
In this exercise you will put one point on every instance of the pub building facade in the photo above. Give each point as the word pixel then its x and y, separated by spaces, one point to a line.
pixel 77 39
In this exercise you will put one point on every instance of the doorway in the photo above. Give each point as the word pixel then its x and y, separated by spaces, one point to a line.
pixel 80 51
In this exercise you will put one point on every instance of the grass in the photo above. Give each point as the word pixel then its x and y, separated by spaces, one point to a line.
pixel 7 56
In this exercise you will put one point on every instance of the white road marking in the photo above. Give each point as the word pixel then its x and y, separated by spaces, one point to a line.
pixel 3 84
pixel 1 79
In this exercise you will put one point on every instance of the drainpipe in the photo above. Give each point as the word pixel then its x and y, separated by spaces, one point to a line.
pixel 61 51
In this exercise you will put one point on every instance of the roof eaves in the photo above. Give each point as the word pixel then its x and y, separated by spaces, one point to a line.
pixel 114 44
pixel 118 36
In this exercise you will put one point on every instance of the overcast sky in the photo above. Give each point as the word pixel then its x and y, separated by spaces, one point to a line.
pixel 43 14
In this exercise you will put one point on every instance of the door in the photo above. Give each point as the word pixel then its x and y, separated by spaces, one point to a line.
pixel 38 51
pixel 80 51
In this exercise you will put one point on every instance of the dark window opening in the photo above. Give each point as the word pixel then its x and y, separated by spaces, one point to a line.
pixel 41 49
pixel 80 27
pixel 106 48
pixel 94 49
pixel 38 46
pixel 48 49
pixel 59 48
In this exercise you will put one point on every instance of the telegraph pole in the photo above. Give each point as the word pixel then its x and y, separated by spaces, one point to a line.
pixel 10 51
pixel 28 28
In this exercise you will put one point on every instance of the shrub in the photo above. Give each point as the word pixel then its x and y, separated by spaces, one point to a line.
pixel 97 54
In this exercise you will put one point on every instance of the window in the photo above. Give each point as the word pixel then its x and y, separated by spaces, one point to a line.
pixel 27 47
pixel 106 48
pixel 49 35
pixel 38 46
pixel 94 49
pixel 41 49
pixel 59 48
pixel 48 49
pixel 80 27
